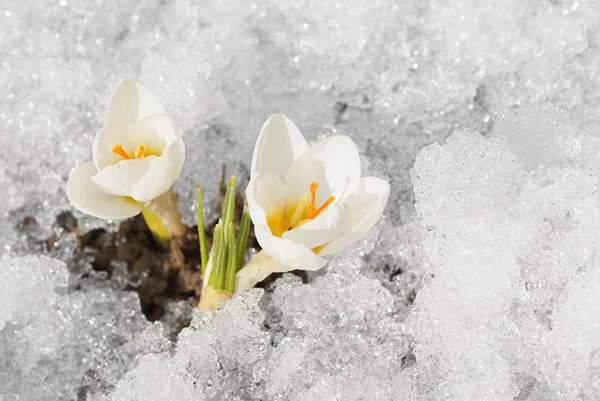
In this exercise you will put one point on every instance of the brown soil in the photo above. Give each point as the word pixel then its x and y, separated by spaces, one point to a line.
pixel 166 274
pixel 160 274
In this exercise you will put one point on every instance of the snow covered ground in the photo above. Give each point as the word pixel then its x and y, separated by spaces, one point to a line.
pixel 495 229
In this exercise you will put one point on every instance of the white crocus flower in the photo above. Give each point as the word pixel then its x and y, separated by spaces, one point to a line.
pixel 136 156
pixel 306 202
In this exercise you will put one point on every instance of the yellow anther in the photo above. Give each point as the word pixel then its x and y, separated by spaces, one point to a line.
pixel 298 212
pixel 139 152
pixel 118 150
pixel 294 216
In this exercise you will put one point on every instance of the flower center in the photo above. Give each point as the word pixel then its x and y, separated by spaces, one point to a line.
pixel 294 216
pixel 138 153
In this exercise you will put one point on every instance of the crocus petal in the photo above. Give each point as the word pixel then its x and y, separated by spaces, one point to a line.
pixel 366 207
pixel 86 197
pixel 278 145
pixel 130 102
pixel 334 163
pixel 162 173
pixel 266 195
pixel 287 253
pixel 154 132
pixel 163 127
pixel 120 179
pixel 106 139
pixel 256 270
pixel 322 229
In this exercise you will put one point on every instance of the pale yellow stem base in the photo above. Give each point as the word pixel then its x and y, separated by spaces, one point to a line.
pixel 159 232
pixel 163 218
pixel 211 298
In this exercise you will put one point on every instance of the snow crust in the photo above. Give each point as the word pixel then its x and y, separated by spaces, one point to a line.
pixel 481 283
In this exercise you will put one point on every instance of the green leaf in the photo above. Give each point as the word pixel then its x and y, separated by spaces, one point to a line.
pixel 201 232
pixel 231 259
pixel 222 256
pixel 229 205
pixel 242 239
pixel 218 245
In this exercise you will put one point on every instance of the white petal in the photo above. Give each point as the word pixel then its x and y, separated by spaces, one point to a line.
pixel 120 179
pixel 86 197
pixel 163 129
pixel 130 102
pixel 278 145
pixel 322 229
pixel 334 163
pixel 162 173
pixel 366 207
pixel 155 132
pixel 107 138
pixel 256 270
pixel 288 254
pixel 266 196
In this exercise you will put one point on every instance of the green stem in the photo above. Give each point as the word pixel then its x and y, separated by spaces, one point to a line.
pixel 222 256
pixel 231 259
pixel 242 239
pixel 229 204
pixel 201 232
pixel 218 244
pixel 228 250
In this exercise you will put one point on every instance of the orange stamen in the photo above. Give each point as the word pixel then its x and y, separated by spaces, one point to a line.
pixel 139 152
pixel 313 196
pixel 312 209
pixel 118 150
pixel 313 214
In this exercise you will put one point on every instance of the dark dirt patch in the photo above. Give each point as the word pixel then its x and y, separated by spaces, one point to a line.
pixel 156 274
pixel 164 274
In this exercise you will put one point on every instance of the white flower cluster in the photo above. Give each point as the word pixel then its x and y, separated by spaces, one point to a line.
pixel 306 202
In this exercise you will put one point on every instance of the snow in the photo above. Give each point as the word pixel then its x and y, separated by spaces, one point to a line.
pixel 481 282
